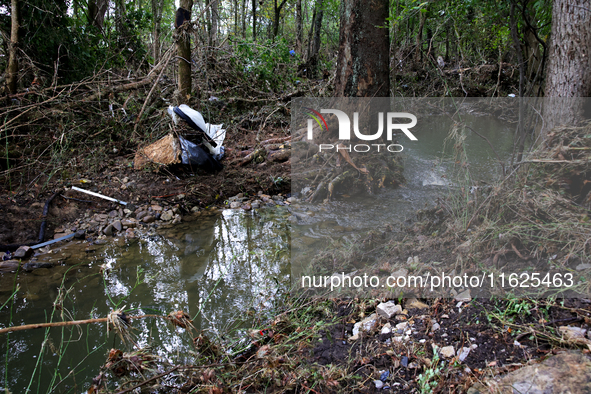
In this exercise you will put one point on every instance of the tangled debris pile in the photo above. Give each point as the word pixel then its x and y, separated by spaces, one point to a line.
pixel 528 219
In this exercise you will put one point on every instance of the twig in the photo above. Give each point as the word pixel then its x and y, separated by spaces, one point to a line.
pixel 137 121
pixel 149 380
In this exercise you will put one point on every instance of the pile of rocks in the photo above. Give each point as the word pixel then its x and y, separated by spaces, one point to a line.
pixel 240 201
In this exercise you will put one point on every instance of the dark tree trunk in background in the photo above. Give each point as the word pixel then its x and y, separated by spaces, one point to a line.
pixel 299 26
pixel 243 10
pixel 157 7
pixel 12 69
pixel 254 20
pixel 184 49
pixel 569 68
pixel 214 14
pixel 96 12
pixel 517 47
pixel 277 11
pixel 419 42
pixel 362 63
pixel 120 26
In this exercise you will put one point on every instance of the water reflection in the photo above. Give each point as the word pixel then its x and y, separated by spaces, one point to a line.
pixel 215 268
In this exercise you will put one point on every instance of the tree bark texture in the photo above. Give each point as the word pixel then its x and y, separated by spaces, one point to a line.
pixel 569 71
pixel 362 62
pixel 12 69
pixel 184 51
pixel 569 68
pixel 96 12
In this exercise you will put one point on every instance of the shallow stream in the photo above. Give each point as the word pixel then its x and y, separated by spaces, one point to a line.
pixel 219 267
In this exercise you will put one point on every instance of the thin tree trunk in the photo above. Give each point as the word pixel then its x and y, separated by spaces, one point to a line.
pixel 235 18
pixel 12 77
pixel 517 46
pixel 157 7
pixel 299 27
pixel 215 17
pixel 254 20
pixel 311 33
pixel 419 43
pixel 277 10
pixel 243 18
pixel 184 51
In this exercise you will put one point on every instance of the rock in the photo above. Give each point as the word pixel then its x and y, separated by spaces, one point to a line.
pixel 108 230
pixel 464 353
pixel 291 200
pixel 435 327
pixel 177 219
pixel 166 216
pixel 239 195
pixel 148 219
pixel 388 309
pixel 180 196
pixel 59 235
pixel 365 325
pixel 113 214
pixel 379 384
pixel 9 265
pixel 118 225
pixel 156 208
pixel 247 207
pixel 140 215
pixel 255 205
pixel 387 329
pixel 447 352
pixel 195 209
pixel 129 223
pixel 412 303
pixel 575 335
pixel 32 266
pixel 463 296
pixel 583 266
pixel 402 272
pixel 235 205
pixel 101 217
pixel 400 327
pixel 567 372
pixel 130 233
pixel 22 252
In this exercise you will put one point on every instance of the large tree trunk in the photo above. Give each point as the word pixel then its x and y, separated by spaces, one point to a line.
pixel 184 49
pixel 157 7
pixel 362 63
pixel 12 69
pixel 569 69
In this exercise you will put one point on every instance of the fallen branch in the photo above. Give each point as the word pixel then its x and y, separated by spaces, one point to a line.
pixel 68 323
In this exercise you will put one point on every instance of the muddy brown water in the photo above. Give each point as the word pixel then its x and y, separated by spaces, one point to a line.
pixel 219 268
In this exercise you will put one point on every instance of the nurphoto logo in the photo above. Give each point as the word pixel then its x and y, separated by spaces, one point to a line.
pixel 345 130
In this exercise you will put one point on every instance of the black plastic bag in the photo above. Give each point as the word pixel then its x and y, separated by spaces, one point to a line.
pixel 193 154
